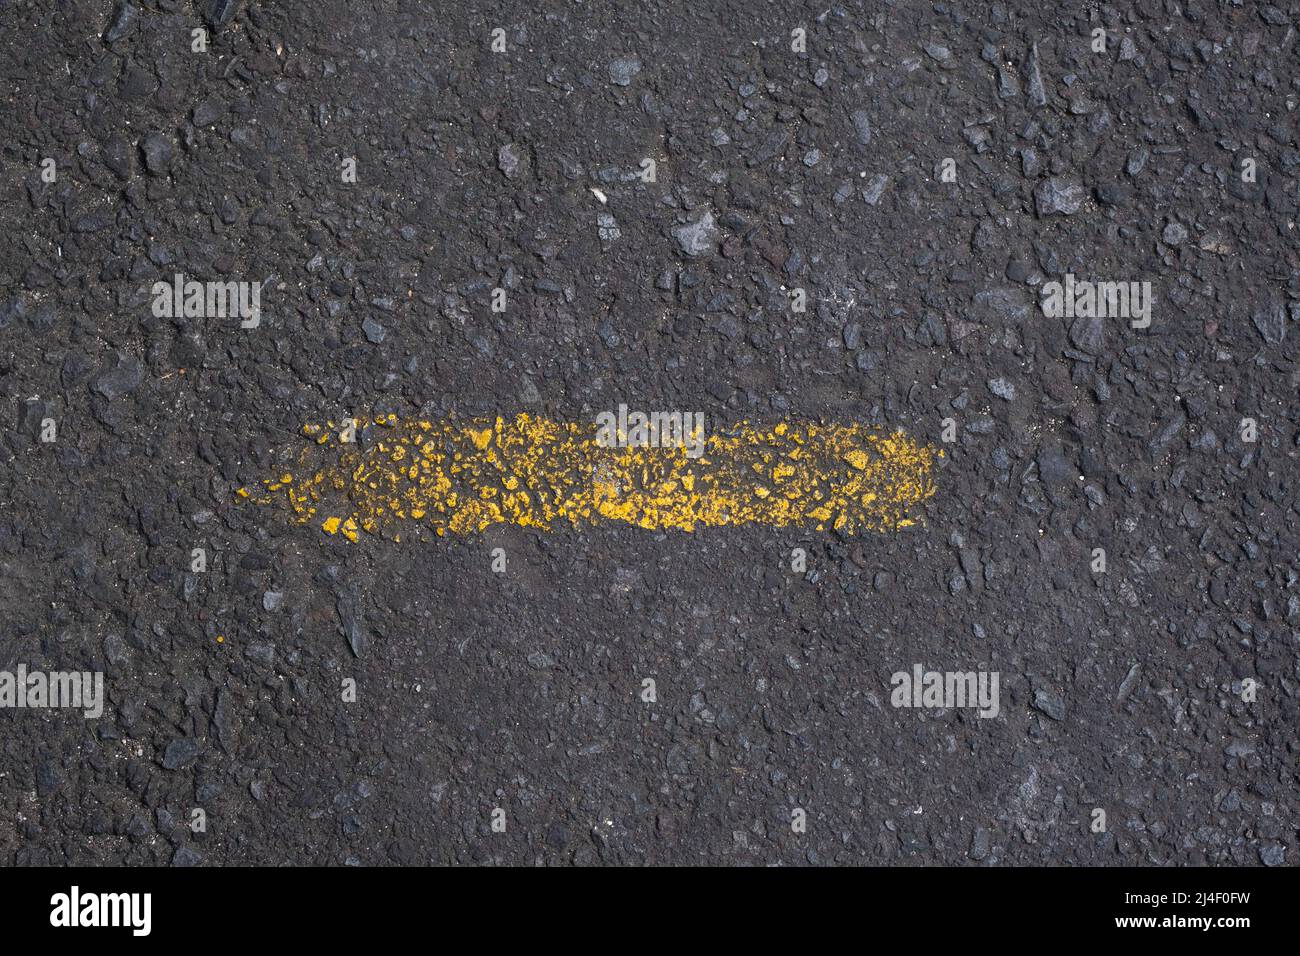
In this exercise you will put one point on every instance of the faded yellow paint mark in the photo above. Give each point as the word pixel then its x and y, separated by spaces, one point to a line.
pixel 463 477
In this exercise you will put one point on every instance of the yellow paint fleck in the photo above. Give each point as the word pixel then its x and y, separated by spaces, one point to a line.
pixel 537 473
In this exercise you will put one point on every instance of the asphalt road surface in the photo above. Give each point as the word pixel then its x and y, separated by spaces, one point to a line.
pixel 324 331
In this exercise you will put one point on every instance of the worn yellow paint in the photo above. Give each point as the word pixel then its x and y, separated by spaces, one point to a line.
pixel 462 477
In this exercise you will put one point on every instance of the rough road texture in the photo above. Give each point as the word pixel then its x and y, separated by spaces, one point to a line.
pixel 774 170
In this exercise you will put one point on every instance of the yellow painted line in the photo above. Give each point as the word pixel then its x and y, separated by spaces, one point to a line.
pixel 461 477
